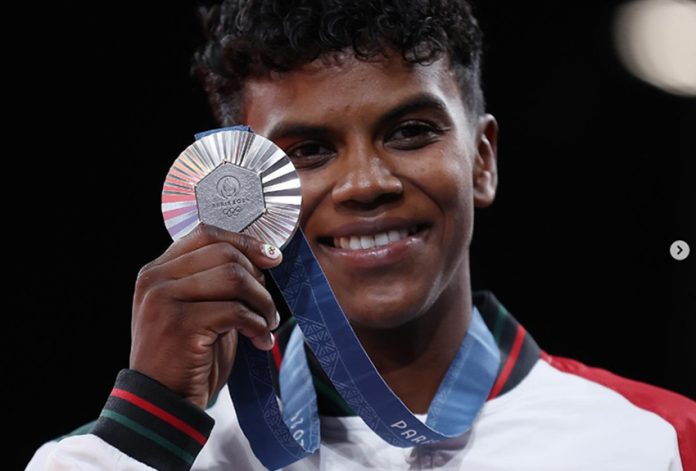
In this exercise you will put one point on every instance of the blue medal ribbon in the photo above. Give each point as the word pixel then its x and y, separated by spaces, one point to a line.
pixel 281 437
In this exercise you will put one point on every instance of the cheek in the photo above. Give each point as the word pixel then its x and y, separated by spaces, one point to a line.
pixel 314 188
pixel 450 189
pixel 457 207
pixel 448 180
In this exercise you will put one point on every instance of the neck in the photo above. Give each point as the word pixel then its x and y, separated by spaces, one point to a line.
pixel 414 358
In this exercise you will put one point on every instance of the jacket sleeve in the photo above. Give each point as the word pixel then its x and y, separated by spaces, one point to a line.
pixel 143 425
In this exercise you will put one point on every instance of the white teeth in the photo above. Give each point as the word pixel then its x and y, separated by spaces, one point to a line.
pixel 355 243
pixel 367 242
pixel 380 239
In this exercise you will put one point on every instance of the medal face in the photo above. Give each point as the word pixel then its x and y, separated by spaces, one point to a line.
pixel 230 197
pixel 237 181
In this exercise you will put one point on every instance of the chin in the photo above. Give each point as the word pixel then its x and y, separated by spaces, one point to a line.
pixel 385 303
pixel 383 319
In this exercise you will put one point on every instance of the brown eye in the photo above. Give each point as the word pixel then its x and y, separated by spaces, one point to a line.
pixel 412 135
pixel 310 154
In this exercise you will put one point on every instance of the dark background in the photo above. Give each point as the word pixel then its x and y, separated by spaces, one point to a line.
pixel 596 181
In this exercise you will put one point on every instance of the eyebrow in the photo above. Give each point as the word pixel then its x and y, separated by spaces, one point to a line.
pixel 286 129
pixel 414 103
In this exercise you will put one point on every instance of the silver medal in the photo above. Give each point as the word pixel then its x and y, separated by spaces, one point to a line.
pixel 237 181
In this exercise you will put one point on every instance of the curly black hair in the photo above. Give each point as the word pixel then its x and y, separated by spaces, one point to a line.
pixel 251 38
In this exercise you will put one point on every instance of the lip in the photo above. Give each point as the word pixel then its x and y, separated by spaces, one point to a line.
pixel 379 256
pixel 369 227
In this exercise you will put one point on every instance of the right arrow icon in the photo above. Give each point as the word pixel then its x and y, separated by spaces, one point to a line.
pixel 679 250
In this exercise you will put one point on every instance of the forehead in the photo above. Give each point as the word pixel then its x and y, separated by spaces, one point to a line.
pixel 345 91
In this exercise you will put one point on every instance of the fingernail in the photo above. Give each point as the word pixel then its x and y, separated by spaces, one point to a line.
pixel 272 339
pixel 270 251
pixel 277 320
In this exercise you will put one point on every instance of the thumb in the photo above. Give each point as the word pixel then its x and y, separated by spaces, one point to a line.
pixel 260 253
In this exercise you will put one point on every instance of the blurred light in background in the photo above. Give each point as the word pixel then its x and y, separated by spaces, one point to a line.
pixel 656 40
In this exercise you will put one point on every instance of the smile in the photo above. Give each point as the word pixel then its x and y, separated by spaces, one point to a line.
pixel 369 241
pixel 375 244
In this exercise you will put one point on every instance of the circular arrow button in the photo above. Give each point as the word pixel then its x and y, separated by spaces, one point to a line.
pixel 679 250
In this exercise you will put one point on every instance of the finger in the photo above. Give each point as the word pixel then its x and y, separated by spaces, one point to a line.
pixel 228 282
pixel 205 258
pixel 258 252
pixel 222 317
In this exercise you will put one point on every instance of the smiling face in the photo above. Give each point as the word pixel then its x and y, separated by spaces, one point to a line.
pixel 391 166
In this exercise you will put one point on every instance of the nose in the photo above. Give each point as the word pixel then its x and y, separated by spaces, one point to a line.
pixel 366 180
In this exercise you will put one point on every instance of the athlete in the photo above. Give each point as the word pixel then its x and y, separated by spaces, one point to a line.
pixel 379 106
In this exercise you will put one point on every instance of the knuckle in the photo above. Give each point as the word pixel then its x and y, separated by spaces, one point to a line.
pixel 149 304
pixel 145 271
pixel 234 272
pixel 244 242
pixel 229 252
pixel 249 322
pixel 147 275
pixel 207 234
pixel 204 233
pixel 143 278
pixel 241 312
pixel 154 295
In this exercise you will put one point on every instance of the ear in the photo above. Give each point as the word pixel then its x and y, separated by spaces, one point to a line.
pixel 485 163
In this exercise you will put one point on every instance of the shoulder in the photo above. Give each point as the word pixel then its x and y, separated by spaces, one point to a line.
pixel 674 408
pixel 631 409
